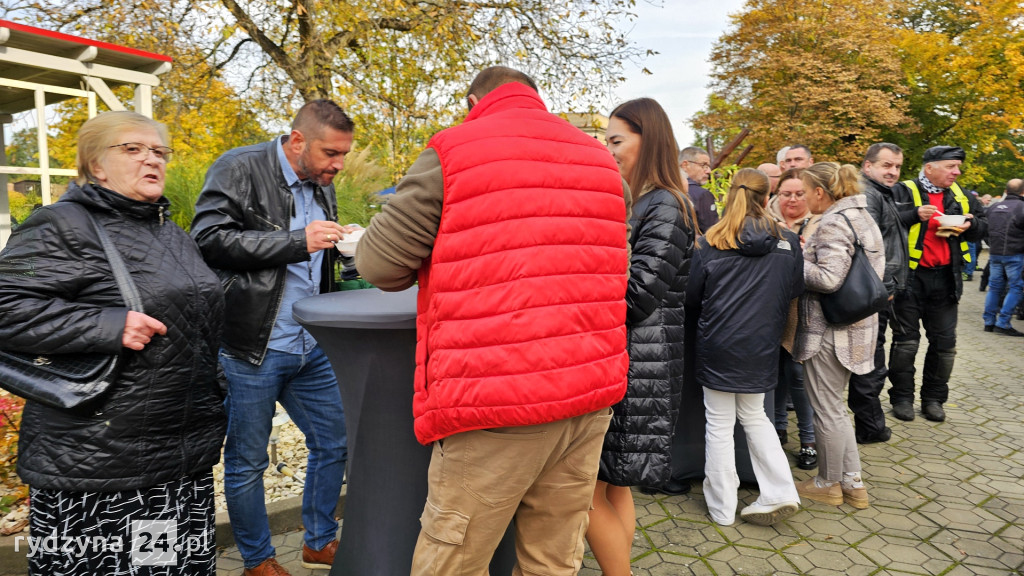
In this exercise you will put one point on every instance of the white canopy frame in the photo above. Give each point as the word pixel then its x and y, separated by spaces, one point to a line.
pixel 40 67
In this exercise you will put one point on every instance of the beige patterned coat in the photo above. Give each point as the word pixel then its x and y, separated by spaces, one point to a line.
pixel 827 257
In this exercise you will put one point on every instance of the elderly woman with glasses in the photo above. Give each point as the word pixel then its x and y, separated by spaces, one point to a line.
pixel 127 477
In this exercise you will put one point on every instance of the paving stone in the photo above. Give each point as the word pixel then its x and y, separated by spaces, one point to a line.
pixel 945 498
pixel 906 555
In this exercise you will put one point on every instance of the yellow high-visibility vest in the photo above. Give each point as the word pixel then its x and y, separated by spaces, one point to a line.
pixel 915 237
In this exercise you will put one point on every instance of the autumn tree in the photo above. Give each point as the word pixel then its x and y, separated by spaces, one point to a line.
pixel 206 116
pixel 824 74
pixel 964 66
pixel 400 66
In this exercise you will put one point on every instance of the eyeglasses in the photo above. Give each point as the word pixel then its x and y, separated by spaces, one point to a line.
pixel 137 151
pixel 703 165
pixel 796 195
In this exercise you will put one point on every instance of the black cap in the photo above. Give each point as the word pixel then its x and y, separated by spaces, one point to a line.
pixel 936 153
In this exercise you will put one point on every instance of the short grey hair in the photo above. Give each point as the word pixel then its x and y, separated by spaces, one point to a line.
pixel 781 155
pixel 690 154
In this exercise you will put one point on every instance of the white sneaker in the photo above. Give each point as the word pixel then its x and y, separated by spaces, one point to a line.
pixel 766 515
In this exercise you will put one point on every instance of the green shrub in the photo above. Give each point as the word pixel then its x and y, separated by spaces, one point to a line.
pixel 356 188
pixel 184 181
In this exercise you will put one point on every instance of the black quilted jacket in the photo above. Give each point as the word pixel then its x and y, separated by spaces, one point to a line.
pixel 638 444
pixel 163 418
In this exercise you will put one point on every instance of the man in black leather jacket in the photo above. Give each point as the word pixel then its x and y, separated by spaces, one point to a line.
pixel 880 171
pixel 265 222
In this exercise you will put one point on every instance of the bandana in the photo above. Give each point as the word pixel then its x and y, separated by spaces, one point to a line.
pixel 928 186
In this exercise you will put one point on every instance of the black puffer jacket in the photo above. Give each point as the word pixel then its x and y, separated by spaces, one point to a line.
pixel 740 299
pixel 163 418
pixel 639 440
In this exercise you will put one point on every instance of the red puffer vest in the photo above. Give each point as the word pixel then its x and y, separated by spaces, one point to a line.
pixel 521 310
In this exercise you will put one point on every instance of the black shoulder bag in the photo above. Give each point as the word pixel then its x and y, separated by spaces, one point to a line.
pixel 69 380
pixel 862 293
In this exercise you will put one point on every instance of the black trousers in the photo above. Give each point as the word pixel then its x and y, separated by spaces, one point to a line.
pixel 930 301
pixel 868 418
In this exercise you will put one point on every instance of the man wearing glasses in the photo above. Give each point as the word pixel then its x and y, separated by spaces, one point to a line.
pixel 696 164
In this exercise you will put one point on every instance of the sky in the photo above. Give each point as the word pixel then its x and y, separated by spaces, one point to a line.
pixel 682 32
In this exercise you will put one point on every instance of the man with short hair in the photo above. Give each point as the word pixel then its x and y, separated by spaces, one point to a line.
pixel 1006 257
pixel 265 222
pixel 773 172
pixel 934 284
pixel 880 171
pixel 797 156
pixel 521 338
pixel 696 164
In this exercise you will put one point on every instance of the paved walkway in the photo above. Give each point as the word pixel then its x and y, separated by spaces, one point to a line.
pixel 946 498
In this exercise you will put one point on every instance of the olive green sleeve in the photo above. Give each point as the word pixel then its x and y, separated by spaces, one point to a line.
pixel 401 237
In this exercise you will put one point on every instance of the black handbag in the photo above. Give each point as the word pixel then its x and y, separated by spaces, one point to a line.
pixel 862 294
pixel 69 380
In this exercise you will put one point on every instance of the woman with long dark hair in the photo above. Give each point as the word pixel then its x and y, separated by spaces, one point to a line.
pixel 744 274
pixel 638 444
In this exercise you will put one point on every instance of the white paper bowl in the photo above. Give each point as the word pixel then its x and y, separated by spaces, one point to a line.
pixel 347 244
pixel 347 248
pixel 952 220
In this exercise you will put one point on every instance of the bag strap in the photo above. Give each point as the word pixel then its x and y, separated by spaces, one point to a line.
pixel 125 284
pixel 856 239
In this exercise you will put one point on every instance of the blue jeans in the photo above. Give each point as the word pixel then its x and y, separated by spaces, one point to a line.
pixel 791 381
pixel 1005 276
pixel 307 388
pixel 972 247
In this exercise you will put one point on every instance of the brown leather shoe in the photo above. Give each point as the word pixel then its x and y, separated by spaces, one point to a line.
pixel 268 567
pixel 319 558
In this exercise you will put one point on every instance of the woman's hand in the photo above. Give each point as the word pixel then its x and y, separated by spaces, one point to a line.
pixel 139 330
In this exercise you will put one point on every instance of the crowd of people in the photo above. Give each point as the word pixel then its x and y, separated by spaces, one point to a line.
pixel 569 292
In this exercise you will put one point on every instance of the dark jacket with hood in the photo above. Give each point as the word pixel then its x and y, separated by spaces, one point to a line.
pixel 242 225
pixel 740 299
pixel 163 417
pixel 637 448
pixel 882 207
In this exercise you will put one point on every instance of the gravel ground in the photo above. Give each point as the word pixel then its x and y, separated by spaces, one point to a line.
pixel 291 450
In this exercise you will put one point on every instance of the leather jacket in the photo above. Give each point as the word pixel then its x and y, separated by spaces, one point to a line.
pixel 882 207
pixel 979 227
pixel 242 221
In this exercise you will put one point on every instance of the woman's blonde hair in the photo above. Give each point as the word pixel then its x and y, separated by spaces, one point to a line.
pixel 837 180
pixel 97 135
pixel 747 193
